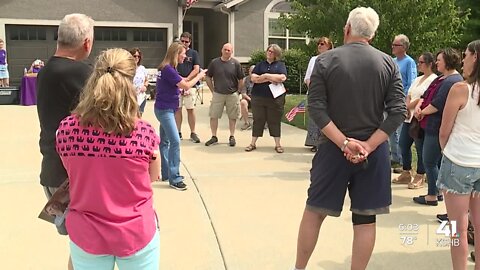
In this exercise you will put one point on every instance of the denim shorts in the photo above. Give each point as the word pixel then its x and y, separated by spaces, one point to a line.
pixel 458 179
pixel 148 258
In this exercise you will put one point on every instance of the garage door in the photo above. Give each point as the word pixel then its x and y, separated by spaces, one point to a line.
pixel 25 43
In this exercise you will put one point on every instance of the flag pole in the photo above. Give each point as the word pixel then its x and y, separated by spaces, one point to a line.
pixel 306 108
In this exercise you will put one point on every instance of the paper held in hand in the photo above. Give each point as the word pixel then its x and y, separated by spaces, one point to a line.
pixel 277 89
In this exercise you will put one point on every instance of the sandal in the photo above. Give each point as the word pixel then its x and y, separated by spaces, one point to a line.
pixel 404 178
pixel 279 149
pixel 250 148
pixel 417 182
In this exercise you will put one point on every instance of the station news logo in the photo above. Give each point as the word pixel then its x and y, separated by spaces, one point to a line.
pixel 446 233
pixel 449 230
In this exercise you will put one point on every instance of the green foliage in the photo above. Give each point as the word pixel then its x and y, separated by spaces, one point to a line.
pixel 472 27
pixel 257 56
pixel 296 62
pixel 430 24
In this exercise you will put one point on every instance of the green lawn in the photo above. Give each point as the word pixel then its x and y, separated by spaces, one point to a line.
pixel 301 119
pixel 298 121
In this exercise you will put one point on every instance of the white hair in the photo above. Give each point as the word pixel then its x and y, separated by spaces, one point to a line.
pixel 404 40
pixel 363 22
pixel 74 29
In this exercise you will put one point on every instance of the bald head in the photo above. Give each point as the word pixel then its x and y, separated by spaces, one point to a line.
pixel 227 51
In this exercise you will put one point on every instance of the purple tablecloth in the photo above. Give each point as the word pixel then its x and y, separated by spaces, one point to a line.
pixel 28 91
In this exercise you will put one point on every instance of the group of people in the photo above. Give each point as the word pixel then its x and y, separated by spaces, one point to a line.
pixel 439 110
pixel 92 135
pixel 32 70
pixel 440 121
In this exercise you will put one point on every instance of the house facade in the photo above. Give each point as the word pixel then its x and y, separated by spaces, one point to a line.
pixel 29 27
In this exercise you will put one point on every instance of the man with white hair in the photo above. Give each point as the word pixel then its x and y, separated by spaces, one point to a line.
pixel 59 84
pixel 350 89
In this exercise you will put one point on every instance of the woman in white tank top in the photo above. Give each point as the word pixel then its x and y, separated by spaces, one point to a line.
pixel 459 177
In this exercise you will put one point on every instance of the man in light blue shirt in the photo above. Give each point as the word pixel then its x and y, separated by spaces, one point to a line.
pixel 408 71
pixel 408 68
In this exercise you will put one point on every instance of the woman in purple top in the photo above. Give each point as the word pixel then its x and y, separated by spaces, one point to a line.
pixel 3 65
pixel 36 66
pixel 166 104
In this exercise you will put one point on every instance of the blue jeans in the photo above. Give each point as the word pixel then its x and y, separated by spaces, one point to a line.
pixel 169 146
pixel 141 108
pixel 432 156
pixel 394 147
pixel 405 144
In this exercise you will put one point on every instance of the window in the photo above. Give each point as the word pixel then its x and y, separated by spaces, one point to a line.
pixel 156 35
pixel 110 34
pixel 278 34
pixel 27 32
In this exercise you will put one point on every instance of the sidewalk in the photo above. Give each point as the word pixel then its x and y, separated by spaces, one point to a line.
pixel 241 210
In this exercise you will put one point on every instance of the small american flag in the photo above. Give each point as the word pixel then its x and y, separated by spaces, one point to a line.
pixel 189 3
pixel 300 108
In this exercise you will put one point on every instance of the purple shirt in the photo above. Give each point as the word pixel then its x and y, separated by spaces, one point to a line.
pixel 3 57
pixel 167 89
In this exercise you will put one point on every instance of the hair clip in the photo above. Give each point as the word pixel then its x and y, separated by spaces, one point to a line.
pixel 110 70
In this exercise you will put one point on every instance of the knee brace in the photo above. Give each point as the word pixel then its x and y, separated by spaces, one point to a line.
pixel 361 219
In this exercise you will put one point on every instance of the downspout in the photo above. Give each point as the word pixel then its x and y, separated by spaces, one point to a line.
pixel 231 24
pixel 180 22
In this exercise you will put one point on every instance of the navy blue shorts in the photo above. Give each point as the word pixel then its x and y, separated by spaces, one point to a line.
pixel 369 185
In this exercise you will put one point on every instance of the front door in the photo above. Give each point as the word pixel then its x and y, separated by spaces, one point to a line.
pixel 194 25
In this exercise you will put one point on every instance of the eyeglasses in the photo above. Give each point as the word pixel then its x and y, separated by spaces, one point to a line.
pixel 185 41
pixel 270 51
pixel 421 62
pixel 136 56
pixel 397 45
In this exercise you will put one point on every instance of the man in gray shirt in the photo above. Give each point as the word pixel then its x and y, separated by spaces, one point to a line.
pixel 351 86
pixel 224 78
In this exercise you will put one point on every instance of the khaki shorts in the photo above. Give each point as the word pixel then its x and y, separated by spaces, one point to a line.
pixel 188 101
pixel 219 101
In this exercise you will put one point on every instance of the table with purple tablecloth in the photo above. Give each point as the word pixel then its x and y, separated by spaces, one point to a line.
pixel 28 91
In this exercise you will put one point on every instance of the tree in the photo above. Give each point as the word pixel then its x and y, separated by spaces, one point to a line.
pixel 472 27
pixel 429 24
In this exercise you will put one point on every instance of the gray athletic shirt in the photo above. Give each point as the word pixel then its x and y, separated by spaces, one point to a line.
pixel 353 85
pixel 225 74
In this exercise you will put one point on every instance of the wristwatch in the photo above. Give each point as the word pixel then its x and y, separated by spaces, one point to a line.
pixel 344 145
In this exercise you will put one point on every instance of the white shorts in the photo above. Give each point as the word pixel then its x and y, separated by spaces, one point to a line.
pixel 188 101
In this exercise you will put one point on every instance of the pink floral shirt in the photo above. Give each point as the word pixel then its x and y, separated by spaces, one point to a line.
pixel 111 209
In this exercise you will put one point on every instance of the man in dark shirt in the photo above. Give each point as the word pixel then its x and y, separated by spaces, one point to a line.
pixel 225 79
pixel 351 86
pixel 59 84
pixel 188 69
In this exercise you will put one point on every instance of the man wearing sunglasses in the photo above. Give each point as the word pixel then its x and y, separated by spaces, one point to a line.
pixel 188 69
pixel 408 71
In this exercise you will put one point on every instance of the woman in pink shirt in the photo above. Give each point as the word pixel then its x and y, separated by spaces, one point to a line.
pixel 110 157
